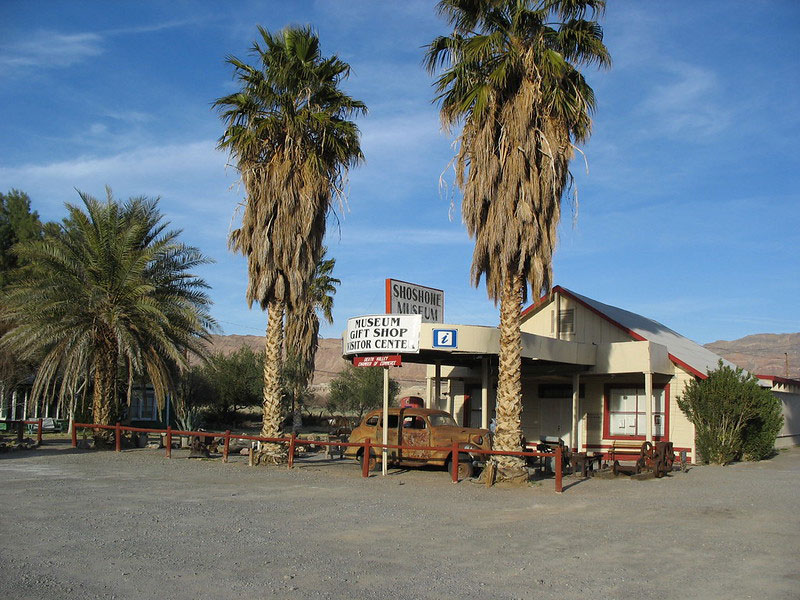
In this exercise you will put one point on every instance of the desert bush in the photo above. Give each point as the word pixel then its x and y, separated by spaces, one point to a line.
pixel 359 389
pixel 732 415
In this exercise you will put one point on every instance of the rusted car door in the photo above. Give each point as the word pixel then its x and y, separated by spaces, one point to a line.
pixel 391 438
pixel 416 432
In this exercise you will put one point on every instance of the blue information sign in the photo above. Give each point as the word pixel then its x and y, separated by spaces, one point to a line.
pixel 445 338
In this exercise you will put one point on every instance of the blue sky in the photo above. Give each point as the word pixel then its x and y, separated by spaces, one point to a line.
pixel 689 213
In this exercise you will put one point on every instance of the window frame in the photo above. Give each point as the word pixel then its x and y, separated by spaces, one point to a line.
pixel 607 412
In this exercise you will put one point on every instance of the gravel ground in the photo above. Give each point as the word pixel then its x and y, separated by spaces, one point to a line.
pixel 84 524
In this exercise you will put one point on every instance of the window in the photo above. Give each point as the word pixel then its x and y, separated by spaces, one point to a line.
pixel 627 416
pixel 560 390
pixel 439 420
pixel 566 321
pixel 143 408
pixel 392 421
pixel 413 423
pixel 372 421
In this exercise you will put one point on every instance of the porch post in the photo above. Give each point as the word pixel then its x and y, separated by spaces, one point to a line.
pixel 648 392
pixel 576 386
pixel 14 404
pixel 437 385
pixel 428 391
pixel 484 393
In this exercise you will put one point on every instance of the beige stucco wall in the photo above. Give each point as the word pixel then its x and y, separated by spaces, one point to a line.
pixel 790 434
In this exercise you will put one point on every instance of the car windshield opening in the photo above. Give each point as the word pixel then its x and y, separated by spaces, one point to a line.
pixel 439 420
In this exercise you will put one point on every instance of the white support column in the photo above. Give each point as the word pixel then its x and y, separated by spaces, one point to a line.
pixel 437 385
pixel 557 322
pixel 576 386
pixel 428 393
pixel 485 393
pixel 25 406
pixel 14 405
pixel 648 392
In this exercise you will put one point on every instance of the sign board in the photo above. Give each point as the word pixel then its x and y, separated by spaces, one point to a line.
pixel 403 298
pixel 372 334
pixel 392 360
pixel 445 338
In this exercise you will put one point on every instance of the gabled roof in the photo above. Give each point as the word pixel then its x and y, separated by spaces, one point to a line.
pixel 682 351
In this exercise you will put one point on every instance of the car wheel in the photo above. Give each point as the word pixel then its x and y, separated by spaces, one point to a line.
pixel 373 461
pixel 465 469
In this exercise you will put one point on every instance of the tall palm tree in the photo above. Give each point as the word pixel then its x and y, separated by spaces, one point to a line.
pixel 287 128
pixel 112 287
pixel 510 78
pixel 302 330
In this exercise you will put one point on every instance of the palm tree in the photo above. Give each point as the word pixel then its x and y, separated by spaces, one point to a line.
pixel 111 288
pixel 288 131
pixel 302 330
pixel 510 78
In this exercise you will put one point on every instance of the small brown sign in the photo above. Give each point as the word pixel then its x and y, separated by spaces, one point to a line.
pixel 392 360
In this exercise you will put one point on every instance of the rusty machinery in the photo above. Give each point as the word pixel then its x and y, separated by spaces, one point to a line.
pixel 657 458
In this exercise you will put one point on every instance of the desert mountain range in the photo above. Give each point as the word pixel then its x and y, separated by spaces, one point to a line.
pixel 763 353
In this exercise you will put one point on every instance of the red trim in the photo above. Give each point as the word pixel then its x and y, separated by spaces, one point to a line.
pixel 636 336
pixel 778 379
pixel 607 417
pixel 388 296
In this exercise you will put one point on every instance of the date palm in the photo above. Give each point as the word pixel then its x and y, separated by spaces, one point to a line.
pixel 510 78
pixel 110 288
pixel 288 130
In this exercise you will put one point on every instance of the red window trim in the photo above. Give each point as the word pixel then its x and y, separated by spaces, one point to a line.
pixel 607 413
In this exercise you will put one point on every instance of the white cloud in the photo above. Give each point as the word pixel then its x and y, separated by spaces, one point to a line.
pixel 50 49
pixel 686 105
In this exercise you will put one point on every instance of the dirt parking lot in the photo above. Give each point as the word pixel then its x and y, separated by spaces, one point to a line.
pixel 84 524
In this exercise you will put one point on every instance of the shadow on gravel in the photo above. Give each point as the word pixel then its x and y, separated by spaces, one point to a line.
pixel 42 451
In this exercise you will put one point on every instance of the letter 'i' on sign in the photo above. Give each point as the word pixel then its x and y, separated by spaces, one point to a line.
pixel 445 338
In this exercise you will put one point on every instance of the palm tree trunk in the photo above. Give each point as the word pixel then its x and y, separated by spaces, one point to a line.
pixel 103 406
pixel 272 389
pixel 508 435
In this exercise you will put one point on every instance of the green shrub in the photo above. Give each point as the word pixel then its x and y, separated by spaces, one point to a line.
pixel 761 431
pixel 732 415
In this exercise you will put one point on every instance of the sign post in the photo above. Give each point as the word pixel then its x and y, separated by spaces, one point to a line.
pixel 385 456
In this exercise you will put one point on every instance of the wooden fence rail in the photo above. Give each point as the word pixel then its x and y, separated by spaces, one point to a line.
pixel 292 442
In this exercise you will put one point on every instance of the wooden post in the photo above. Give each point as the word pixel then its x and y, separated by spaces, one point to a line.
pixel 454 461
pixel 169 442
pixel 74 436
pixel 365 459
pixel 118 436
pixel 39 432
pixel 559 469
pixel 226 446
pixel 291 449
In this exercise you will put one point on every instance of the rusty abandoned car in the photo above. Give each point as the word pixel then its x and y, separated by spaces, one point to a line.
pixel 420 429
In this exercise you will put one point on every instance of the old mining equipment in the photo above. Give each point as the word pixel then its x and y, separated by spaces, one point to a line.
pixel 657 458
pixel 548 463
